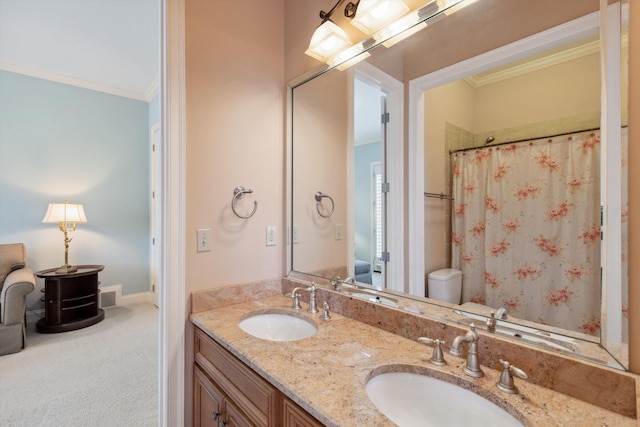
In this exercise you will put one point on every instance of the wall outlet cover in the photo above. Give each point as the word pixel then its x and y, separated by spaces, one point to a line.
pixel 271 235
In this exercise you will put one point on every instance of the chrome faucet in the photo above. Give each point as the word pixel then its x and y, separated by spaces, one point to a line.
pixel 501 313
pixel 351 280
pixel 336 283
pixel 312 297
pixel 472 367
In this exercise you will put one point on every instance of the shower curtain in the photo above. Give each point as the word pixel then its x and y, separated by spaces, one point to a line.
pixel 526 229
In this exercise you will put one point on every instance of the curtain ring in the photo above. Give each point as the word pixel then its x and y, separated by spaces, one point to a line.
pixel 238 193
pixel 319 196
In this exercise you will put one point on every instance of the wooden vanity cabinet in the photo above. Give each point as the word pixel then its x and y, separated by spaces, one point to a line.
pixel 228 393
pixel 227 386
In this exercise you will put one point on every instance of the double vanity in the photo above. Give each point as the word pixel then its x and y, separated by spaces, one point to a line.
pixel 260 361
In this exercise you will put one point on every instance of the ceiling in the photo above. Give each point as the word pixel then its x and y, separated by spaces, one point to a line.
pixel 108 45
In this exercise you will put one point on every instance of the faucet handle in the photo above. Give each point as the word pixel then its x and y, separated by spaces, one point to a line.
pixel 296 300
pixel 325 311
pixel 491 322
pixel 437 358
pixel 506 383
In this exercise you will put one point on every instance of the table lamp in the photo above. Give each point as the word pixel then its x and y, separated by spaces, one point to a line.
pixel 66 215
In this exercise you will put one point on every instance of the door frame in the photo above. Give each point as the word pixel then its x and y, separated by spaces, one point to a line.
pixel 173 312
pixel 394 168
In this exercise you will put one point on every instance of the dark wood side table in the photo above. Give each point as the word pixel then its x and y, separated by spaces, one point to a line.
pixel 70 300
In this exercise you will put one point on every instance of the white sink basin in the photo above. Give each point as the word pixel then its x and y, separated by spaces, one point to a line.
pixel 410 399
pixel 274 326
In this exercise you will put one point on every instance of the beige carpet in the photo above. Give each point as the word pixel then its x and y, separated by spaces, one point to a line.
pixel 103 375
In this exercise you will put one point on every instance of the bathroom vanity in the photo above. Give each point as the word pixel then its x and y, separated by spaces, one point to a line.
pixel 225 390
pixel 321 380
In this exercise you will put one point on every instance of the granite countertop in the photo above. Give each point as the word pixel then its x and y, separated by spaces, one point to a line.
pixel 326 373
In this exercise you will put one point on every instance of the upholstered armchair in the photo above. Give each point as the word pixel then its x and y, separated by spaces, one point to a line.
pixel 16 281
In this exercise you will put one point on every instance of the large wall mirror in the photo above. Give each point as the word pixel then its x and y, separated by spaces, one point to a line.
pixel 498 169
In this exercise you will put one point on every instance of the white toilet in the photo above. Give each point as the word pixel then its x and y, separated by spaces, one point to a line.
pixel 445 285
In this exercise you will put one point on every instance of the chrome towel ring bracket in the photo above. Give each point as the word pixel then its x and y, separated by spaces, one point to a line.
pixel 238 193
pixel 319 196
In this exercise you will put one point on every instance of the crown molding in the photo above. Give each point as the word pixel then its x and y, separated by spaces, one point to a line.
pixel 59 78
pixel 153 90
pixel 538 64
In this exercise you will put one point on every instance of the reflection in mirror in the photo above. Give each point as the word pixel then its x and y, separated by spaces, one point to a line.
pixel 320 164
pixel 368 170
pixel 522 148
pixel 615 334
pixel 539 97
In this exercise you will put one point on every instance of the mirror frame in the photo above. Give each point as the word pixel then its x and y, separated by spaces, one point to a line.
pixel 610 43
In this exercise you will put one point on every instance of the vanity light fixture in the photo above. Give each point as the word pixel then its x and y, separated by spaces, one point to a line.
pixel 398 31
pixel 407 25
pixel 372 15
pixel 348 57
pixel 328 39
pixel 66 215
pixel 387 20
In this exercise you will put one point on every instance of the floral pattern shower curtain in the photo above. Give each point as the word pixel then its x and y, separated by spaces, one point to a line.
pixel 526 229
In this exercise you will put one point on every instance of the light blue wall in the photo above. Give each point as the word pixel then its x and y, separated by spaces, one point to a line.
pixel 62 142
pixel 364 155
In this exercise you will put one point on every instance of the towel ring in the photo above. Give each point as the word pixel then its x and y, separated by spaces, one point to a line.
pixel 319 196
pixel 238 193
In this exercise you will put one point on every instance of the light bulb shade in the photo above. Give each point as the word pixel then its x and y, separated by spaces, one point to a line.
pixel 327 40
pixel 375 14
pixel 64 212
pixel 400 29
pixel 348 57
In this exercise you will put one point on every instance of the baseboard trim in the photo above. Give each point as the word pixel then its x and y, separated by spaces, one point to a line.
pixel 142 297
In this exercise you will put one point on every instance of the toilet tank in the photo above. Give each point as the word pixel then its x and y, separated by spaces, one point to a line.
pixel 445 285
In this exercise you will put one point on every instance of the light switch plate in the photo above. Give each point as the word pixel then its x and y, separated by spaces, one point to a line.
pixel 338 232
pixel 204 239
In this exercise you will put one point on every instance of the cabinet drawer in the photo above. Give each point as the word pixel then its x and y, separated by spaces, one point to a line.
pixel 249 392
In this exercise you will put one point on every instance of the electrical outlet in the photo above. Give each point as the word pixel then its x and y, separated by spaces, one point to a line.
pixel 338 232
pixel 271 235
pixel 204 239
pixel 296 234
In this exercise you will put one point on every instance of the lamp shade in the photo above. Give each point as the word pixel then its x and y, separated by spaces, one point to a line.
pixel 64 212
pixel 327 40
pixel 375 14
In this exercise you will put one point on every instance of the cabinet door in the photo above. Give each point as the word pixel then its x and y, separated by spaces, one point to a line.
pixel 295 416
pixel 251 394
pixel 207 401
pixel 235 418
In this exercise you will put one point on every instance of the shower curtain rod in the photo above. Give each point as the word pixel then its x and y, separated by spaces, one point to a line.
pixel 523 140
pixel 441 196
